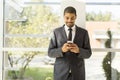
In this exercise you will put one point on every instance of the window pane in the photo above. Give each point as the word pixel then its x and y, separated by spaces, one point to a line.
pixel 36 19
pixel 100 19
pixel 26 42
pixel 28 65
pixel 104 12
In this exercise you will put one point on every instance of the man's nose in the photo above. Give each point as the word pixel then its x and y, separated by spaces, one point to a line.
pixel 69 20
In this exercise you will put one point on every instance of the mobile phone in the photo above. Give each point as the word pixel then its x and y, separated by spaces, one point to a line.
pixel 70 42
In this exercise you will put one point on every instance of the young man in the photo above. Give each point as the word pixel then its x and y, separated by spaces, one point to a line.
pixel 70 46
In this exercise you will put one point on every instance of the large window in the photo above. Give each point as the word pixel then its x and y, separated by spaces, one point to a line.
pixel 103 26
pixel 28 25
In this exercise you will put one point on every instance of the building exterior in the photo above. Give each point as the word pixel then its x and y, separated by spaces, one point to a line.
pixel 98 33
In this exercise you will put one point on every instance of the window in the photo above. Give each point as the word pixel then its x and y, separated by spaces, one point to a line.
pixel 28 25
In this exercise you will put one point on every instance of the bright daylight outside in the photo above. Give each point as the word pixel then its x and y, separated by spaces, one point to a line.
pixel 28 25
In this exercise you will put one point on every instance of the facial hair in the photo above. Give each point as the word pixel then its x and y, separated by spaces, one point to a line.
pixel 70 25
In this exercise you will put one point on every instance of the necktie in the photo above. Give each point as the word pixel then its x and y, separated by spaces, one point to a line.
pixel 72 60
pixel 70 34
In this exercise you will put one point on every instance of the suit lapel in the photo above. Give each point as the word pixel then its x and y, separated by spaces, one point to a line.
pixel 64 33
pixel 76 34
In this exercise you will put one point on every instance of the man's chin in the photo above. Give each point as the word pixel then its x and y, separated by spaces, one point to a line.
pixel 70 25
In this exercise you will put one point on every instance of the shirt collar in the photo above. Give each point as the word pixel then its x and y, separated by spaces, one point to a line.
pixel 66 28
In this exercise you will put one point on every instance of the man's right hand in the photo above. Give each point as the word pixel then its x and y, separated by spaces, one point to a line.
pixel 66 47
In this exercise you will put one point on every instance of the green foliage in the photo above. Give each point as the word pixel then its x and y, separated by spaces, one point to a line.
pixel 98 16
pixel 28 42
pixel 107 60
pixel 107 66
pixel 109 41
pixel 37 19
pixel 24 59
pixel 40 73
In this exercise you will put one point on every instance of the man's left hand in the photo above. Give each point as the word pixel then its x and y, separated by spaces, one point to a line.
pixel 74 48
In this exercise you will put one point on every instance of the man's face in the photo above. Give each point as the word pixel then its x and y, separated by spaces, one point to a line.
pixel 69 19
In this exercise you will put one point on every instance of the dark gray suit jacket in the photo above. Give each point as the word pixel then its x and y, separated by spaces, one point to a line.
pixel 61 66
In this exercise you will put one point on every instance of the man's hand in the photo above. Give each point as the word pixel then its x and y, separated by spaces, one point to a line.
pixel 70 47
pixel 65 47
pixel 74 48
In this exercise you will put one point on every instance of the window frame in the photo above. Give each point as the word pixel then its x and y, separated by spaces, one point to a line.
pixel 1 40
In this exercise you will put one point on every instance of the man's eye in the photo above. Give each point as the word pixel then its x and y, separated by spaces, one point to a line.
pixel 67 18
pixel 72 18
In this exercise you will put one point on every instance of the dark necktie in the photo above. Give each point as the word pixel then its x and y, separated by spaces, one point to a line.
pixel 70 34
pixel 72 60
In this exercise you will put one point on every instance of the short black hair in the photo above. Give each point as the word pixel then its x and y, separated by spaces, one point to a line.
pixel 70 9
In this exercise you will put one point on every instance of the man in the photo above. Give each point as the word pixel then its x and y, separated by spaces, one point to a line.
pixel 70 46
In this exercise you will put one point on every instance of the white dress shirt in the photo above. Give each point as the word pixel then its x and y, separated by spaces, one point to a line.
pixel 73 31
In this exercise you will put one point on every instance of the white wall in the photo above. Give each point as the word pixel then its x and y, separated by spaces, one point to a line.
pixel 1 37
pixel 80 8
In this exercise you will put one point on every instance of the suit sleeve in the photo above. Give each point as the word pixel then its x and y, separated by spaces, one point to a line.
pixel 53 50
pixel 85 51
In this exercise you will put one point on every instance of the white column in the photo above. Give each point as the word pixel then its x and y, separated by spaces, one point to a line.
pixel 1 39
pixel 80 8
